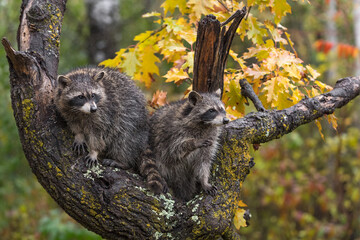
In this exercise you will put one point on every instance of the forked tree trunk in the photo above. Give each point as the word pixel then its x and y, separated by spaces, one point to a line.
pixel 116 204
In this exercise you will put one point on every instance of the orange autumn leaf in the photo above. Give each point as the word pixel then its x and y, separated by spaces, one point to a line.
pixel 158 99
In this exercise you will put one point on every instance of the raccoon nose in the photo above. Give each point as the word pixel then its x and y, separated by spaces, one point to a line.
pixel 93 109
pixel 226 120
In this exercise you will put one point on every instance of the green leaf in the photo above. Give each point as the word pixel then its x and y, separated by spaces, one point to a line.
pixel 130 62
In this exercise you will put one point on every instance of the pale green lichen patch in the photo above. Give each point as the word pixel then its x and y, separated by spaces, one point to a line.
pixel 158 235
pixel 195 208
pixel 141 189
pixel 195 219
pixel 94 172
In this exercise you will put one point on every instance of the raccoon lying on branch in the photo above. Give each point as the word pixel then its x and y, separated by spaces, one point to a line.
pixel 107 114
pixel 184 139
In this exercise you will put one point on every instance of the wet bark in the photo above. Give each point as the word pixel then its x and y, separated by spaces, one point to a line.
pixel 116 204
pixel 213 43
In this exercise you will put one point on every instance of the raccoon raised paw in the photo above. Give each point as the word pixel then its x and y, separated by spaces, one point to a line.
pixel 211 190
pixel 90 162
pixel 79 148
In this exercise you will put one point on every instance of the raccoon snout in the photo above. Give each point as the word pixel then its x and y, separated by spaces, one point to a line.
pixel 93 108
pixel 226 120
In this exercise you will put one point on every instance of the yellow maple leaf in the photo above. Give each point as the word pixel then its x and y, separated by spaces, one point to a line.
pixel 115 62
pixel 187 32
pixel 239 220
pixel 333 121
pixel 170 5
pixel 151 14
pixel 148 65
pixel 142 36
pixel 176 75
pixel 241 204
pixel 313 72
pixel 200 7
pixel 293 71
pixel 256 72
pixel 297 95
pixel 281 8
pixel 324 88
pixel 130 62
pixel 318 124
pixel 240 61
pixel 189 62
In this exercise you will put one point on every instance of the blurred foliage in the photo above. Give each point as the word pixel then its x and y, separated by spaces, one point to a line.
pixel 301 187
pixel 295 193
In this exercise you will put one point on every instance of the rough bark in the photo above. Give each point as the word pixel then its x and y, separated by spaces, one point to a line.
pixel 212 48
pixel 116 204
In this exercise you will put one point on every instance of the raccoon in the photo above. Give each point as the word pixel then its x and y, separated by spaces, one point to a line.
pixel 184 139
pixel 106 112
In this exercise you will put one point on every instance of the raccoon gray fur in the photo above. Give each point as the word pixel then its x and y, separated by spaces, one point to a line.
pixel 106 112
pixel 184 139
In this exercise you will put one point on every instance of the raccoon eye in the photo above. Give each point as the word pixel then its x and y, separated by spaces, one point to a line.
pixel 93 95
pixel 81 97
pixel 212 110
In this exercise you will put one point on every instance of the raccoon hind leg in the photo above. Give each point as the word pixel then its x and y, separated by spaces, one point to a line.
pixel 203 173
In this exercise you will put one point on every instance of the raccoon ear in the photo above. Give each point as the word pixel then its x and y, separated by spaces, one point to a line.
pixel 99 76
pixel 194 97
pixel 63 81
pixel 218 92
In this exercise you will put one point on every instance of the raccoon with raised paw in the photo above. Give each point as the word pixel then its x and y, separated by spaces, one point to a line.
pixel 184 138
pixel 106 112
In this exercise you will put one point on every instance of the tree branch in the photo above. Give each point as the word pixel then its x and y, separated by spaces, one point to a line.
pixel 248 92
pixel 265 126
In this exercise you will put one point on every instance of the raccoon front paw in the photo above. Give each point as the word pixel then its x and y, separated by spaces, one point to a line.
pixel 90 162
pixel 79 148
pixel 211 190
pixel 206 143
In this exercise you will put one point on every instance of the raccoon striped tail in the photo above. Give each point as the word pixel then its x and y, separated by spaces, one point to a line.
pixel 150 172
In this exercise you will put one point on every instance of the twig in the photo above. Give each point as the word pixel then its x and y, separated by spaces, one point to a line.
pixel 248 92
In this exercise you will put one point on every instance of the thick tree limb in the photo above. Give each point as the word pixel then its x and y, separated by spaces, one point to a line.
pixel 116 204
pixel 265 126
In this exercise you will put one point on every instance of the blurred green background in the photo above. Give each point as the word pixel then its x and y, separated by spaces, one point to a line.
pixel 301 187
